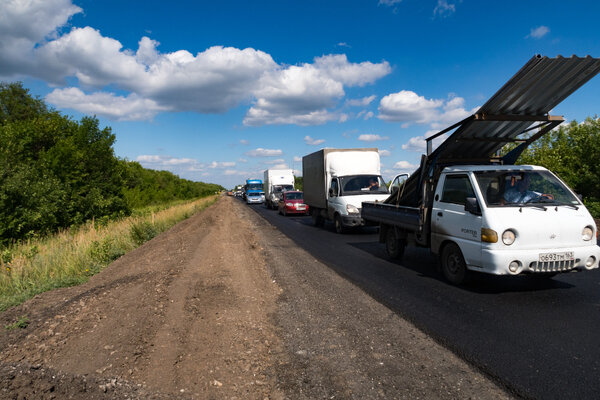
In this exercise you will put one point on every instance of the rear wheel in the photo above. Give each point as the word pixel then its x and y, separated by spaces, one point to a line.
pixel 317 218
pixel 453 263
pixel 339 226
pixel 393 245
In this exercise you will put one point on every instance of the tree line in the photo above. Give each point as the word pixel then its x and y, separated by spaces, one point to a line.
pixel 56 172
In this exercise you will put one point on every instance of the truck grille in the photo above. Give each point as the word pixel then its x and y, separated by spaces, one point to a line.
pixel 552 266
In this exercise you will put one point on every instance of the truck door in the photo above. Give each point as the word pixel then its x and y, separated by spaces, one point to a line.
pixel 333 203
pixel 450 221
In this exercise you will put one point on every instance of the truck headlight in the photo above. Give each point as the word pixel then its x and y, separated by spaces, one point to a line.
pixel 351 209
pixel 508 237
pixel 587 233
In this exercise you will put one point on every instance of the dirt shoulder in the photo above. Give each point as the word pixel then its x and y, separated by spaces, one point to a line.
pixel 223 306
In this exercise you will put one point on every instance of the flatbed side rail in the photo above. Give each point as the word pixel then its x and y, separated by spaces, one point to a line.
pixel 401 216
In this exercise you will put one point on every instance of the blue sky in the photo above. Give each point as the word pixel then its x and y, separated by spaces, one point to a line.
pixel 220 91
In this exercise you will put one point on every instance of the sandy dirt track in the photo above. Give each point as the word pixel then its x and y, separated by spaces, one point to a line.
pixel 223 306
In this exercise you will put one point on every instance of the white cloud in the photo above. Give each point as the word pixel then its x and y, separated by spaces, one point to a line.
pixel 539 32
pixel 211 81
pixel 419 144
pixel 244 142
pixel 23 25
pixel 221 164
pixel 444 8
pixel 366 115
pixel 365 101
pixel 407 106
pixel 178 166
pixel 130 108
pixel 371 138
pixel 313 142
pixel 242 160
pixel 389 2
pixel 303 94
pixel 385 153
pixel 343 44
pixel 276 161
pixel 404 165
pixel 297 159
pixel 260 152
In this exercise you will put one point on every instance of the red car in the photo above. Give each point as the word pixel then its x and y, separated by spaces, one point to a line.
pixel 292 202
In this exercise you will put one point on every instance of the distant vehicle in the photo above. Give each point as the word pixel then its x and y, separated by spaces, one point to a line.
pixel 479 211
pixel 252 187
pixel 292 202
pixel 337 181
pixel 277 181
pixel 255 197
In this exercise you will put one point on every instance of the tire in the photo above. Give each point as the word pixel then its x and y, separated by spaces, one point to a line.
pixel 317 219
pixel 339 226
pixel 453 263
pixel 394 246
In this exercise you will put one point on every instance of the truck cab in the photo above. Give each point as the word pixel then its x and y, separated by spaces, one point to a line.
pixel 508 220
pixel 346 194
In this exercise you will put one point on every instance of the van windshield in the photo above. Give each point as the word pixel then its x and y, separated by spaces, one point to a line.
pixel 516 188
pixel 282 188
pixel 362 184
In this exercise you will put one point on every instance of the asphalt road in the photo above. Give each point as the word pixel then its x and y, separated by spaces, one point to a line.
pixel 537 338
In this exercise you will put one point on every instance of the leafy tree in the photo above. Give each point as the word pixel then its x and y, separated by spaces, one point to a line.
pixel 299 183
pixel 572 152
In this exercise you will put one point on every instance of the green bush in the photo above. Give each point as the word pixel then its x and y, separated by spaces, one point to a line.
pixel 143 231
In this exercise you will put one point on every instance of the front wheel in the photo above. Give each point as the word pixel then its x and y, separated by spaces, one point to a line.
pixel 339 226
pixel 393 245
pixel 453 263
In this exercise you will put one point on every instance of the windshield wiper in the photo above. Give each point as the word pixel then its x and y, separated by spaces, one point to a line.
pixel 529 205
pixel 558 203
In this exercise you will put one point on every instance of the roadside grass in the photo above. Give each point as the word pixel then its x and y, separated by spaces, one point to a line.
pixel 72 256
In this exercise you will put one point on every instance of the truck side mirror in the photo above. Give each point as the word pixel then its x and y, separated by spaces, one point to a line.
pixel 331 192
pixel 472 206
pixel 580 197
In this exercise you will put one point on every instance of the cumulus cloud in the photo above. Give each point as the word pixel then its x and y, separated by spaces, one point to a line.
pixel 407 106
pixel 385 153
pixel 404 165
pixel 371 138
pixel 211 81
pixel 539 32
pixel 313 142
pixel 273 162
pixel 120 108
pixel 244 142
pixel 260 152
pixel 297 159
pixel 24 25
pixel 303 94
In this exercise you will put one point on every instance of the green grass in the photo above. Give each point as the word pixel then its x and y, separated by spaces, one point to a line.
pixel 71 257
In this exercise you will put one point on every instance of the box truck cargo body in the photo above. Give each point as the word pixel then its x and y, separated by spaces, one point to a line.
pixel 337 181
pixel 277 181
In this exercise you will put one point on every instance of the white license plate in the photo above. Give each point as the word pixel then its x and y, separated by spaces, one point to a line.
pixel 301 207
pixel 564 256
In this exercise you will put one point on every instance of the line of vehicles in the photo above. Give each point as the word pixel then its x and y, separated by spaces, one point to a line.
pixel 471 206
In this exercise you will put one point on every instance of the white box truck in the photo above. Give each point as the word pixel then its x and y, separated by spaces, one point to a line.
pixel 276 182
pixel 337 181
pixel 476 209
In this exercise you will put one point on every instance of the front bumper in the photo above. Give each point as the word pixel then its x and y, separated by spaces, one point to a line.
pixel 497 261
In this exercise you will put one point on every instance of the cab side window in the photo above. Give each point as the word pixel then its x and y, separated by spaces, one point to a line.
pixel 334 187
pixel 456 189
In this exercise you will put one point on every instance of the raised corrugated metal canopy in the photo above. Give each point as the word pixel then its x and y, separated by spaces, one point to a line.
pixel 526 98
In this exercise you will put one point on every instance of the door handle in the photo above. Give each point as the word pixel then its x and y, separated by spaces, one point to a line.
pixel 440 214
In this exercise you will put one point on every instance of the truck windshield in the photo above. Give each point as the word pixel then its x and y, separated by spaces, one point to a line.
pixel 282 188
pixel 254 186
pixel 516 188
pixel 362 184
